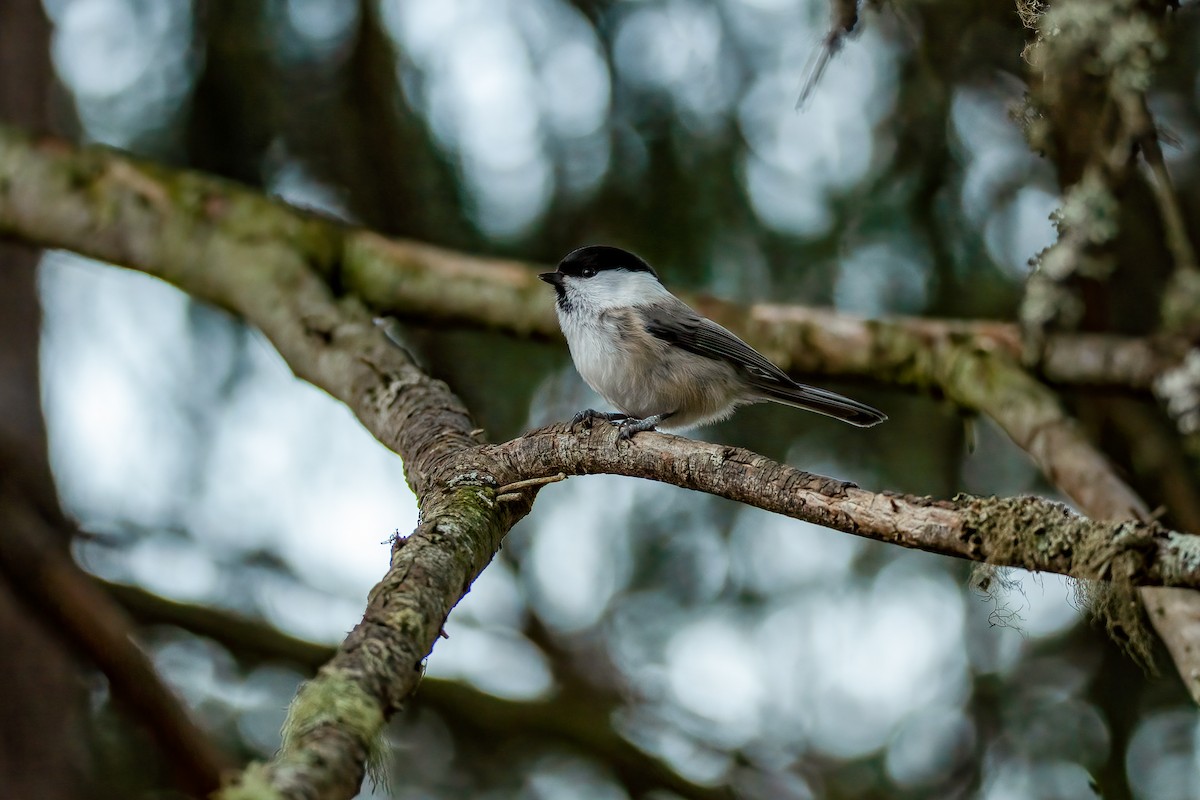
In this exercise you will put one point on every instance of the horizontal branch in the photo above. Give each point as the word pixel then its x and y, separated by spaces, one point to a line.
pixel 1028 532
pixel 109 206
pixel 410 280
pixel 907 351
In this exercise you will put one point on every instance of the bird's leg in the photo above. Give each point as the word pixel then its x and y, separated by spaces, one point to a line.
pixel 630 426
pixel 591 415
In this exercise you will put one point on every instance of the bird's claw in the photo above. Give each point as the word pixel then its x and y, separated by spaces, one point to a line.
pixel 632 427
pixel 627 426
pixel 588 417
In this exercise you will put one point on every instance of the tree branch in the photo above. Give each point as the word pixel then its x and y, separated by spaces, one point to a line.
pixel 109 206
pixel 275 266
pixel 1078 82
pixel 256 257
pixel 1029 532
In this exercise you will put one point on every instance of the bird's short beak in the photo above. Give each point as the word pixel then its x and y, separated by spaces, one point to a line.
pixel 552 278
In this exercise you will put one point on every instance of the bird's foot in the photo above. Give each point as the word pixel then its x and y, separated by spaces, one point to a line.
pixel 630 427
pixel 589 416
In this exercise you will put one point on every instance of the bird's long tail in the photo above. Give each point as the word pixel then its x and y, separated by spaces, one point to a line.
pixel 830 404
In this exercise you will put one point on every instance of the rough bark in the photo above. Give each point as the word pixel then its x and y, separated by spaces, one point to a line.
pixel 1078 82
pixel 1028 532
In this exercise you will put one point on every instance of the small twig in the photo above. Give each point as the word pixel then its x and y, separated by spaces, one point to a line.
pixel 844 16
pixel 1145 133
pixel 515 486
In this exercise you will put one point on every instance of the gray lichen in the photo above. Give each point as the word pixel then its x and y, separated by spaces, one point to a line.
pixel 1039 534
pixel 1101 51
pixel 1086 222
pixel 1112 39
pixel 1046 300
pixel 1185 551
pixel 1089 210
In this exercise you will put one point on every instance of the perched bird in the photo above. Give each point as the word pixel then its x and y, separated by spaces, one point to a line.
pixel 652 356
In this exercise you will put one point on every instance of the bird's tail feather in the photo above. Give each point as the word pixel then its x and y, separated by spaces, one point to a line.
pixel 830 404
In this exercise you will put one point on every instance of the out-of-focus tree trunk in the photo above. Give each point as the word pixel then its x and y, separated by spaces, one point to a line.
pixel 40 690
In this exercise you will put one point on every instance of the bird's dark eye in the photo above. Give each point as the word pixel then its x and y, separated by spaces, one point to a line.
pixel 588 272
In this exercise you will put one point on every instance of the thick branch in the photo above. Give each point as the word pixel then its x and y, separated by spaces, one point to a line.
pixel 1033 417
pixel 256 257
pixel 244 252
pixel 266 262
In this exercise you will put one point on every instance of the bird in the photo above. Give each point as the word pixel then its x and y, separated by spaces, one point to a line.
pixel 660 362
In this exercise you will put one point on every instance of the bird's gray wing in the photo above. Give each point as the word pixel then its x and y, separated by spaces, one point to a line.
pixel 679 325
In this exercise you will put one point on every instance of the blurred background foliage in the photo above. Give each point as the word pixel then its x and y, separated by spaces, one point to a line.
pixel 741 649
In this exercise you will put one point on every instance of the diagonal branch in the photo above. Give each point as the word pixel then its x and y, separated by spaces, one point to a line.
pixel 1078 81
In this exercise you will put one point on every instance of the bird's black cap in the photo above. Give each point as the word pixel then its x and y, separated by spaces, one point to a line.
pixel 601 258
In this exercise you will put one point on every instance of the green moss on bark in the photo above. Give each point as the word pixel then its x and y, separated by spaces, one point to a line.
pixel 332 700
pixel 340 703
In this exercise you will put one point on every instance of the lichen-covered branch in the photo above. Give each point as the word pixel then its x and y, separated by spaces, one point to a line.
pixel 1034 418
pixel 1091 64
pixel 268 263
pixel 1028 532
pixel 106 205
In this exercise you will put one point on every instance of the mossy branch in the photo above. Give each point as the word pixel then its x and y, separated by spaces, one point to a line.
pixel 1029 532
pixel 1091 63
pixel 175 224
